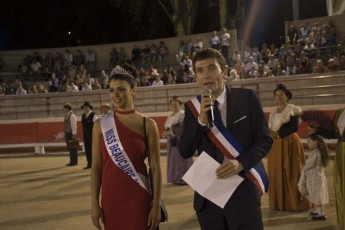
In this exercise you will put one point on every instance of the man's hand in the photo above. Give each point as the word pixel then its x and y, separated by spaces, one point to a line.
pixel 229 168
pixel 205 105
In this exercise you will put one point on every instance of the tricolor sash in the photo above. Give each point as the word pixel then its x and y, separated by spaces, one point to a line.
pixel 229 146
pixel 116 150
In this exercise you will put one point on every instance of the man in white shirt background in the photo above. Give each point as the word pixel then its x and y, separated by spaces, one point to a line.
pixel 225 42
pixel 70 130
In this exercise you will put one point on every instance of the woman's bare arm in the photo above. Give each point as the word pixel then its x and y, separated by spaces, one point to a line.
pixel 96 174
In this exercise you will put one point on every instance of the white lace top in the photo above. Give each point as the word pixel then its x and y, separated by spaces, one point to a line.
pixel 277 119
pixel 174 119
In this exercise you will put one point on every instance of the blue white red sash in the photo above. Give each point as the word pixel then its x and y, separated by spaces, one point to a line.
pixel 229 146
pixel 115 149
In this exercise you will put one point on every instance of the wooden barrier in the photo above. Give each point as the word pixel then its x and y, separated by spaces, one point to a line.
pixel 40 148
pixel 41 133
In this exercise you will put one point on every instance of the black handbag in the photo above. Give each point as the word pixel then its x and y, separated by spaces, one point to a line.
pixel 173 141
pixel 73 144
pixel 164 212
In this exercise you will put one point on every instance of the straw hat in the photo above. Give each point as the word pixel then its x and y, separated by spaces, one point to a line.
pixel 68 106
pixel 106 105
pixel 87 104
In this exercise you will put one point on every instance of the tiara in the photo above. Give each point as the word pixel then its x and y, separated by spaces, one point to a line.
pixel 118 70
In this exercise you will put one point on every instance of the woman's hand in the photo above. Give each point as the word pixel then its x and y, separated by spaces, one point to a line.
pixel 311 129
pixel 164 134
pixel 274 134
pixel 97 214
pixel 154 217
pixel 167 133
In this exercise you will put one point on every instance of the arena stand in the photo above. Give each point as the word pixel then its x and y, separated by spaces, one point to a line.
pixel 36 120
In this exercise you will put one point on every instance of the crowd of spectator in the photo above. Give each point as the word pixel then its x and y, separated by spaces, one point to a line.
pixel 140 56
pixel 308 50
pixel 66 72
pixel 35 67
pixel 75 71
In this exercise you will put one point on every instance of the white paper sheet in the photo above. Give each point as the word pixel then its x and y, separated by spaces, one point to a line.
pixel 202 177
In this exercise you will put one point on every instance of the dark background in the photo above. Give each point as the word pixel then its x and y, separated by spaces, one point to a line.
pixel 33 24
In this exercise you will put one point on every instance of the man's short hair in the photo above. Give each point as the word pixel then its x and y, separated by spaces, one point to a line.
pixel 209 53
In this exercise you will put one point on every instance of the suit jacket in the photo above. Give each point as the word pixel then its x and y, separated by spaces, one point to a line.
pixel 87 123
pixel 251 132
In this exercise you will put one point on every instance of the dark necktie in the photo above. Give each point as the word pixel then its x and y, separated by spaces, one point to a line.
pixel 216 111
pixel 217 116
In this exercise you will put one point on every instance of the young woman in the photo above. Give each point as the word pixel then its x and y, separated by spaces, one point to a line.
pixel 176 165
pixel 313 183
pixel 118 168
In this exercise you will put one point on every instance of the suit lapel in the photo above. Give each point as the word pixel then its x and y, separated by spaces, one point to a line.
pixel 229 103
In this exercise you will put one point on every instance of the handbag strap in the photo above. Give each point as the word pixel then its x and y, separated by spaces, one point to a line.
pixel 146 142
pixel 148 155
pixel 164 213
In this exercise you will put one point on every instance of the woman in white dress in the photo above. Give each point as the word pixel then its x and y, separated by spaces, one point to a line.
pixel 337 131
pixel 176 165
pixel 313 182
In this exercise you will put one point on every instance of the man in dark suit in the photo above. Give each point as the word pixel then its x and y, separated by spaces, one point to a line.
pixel 237 113
pixel 88 118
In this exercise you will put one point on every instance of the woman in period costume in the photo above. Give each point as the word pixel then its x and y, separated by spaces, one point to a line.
pixel 176 165
pixel 286 157
pixel 118 169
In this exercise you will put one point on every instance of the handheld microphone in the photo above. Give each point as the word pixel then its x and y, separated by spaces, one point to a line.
pixel 210 114
pixel 210 117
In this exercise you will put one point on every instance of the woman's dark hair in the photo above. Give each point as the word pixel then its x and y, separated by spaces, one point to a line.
pixel 175 98
pixel 209 53
pixel 322 147
pixel 131 70
pixel 121 73
pixel 283 88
